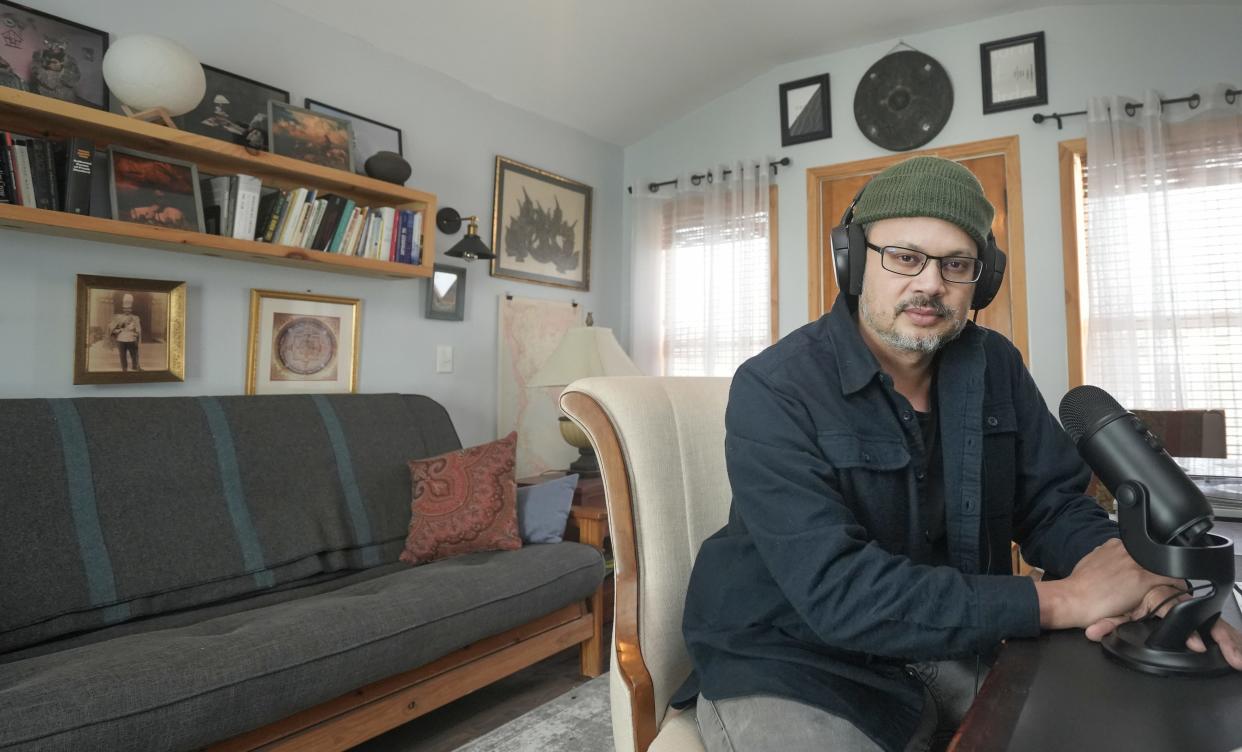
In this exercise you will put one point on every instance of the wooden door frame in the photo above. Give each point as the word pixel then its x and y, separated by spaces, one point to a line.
pixel 1006 146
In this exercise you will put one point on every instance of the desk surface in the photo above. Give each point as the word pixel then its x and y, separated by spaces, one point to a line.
pixel 1061 692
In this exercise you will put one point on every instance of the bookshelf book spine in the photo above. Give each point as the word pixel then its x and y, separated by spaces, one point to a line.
pixel 403 236
pixel 7 191
pixel 46 187
pixel 327 227
pixel 416 237
pixel 267 205
pixel 247 211
pixel 79 158
pixel 278 212
pixel 292 216
pixel 347 214
pixel 26 187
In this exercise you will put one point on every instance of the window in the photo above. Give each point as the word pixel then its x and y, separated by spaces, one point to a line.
pixel 720 271
pixel 1179 347
pixel 703 275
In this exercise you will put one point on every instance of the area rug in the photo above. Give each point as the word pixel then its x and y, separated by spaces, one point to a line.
pixel 577 721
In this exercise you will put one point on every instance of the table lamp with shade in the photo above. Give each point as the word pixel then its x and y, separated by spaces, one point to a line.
pixel 584 351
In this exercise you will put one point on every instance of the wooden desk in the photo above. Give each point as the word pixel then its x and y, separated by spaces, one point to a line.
pixel 1060 692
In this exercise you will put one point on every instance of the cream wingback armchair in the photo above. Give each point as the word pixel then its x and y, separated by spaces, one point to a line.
pixel 660 443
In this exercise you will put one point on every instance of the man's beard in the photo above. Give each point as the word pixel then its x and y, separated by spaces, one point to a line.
pixel 911 342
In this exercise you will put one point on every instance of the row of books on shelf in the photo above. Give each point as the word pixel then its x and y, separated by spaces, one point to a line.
pixel 304 218
pixel 45 173
pixel 66 175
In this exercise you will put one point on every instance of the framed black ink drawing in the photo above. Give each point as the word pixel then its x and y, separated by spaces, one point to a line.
pixel 541 227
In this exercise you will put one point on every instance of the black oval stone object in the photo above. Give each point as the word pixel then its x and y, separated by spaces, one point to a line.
pixel 388 166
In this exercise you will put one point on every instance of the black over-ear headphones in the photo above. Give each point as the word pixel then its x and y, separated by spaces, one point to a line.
pixel 849 256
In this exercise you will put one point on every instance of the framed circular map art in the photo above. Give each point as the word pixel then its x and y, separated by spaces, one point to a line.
pixel 302 344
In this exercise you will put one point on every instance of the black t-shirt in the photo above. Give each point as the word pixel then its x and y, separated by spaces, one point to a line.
pixel 931 487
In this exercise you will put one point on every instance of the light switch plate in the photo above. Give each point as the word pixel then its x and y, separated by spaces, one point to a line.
pixel 444 358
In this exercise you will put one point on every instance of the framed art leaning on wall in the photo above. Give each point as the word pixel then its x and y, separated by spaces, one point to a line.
pixel 302 343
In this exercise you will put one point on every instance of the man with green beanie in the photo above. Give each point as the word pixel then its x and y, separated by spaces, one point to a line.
pixel 881 459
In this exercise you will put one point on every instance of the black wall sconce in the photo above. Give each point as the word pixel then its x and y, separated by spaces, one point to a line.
pixel 470 247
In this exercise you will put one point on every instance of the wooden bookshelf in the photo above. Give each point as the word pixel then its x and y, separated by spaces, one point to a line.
pixel 34 115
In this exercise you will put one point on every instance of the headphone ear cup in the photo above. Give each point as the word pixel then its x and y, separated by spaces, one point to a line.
pixel 841 255
pixel 858 257
pixel 989 284
pixel 849 249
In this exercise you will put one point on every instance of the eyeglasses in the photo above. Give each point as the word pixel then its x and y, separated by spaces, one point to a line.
pixel 962 270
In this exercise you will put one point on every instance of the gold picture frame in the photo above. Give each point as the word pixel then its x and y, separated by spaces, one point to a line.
pixel 128 331
pixel 541 227
pixel 302 344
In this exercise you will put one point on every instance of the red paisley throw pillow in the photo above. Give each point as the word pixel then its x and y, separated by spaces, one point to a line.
pixel 464 501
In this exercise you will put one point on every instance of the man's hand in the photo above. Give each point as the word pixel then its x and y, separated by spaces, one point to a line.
pixel 1162 597
pixel 1105 582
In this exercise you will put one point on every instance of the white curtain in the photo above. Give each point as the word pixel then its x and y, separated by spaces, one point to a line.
pixel 1163 259
pixel 701 280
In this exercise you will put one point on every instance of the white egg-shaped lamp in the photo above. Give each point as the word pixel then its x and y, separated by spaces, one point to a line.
pixel 147 72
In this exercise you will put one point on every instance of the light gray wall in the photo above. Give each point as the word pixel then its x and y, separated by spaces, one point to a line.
pixel 1091 51
pixel 452 135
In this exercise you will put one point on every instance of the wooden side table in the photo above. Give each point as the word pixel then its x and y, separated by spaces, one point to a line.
pixel 592 527
pixel 588 524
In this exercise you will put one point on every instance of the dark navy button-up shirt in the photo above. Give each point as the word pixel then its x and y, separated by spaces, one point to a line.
pixel 820 587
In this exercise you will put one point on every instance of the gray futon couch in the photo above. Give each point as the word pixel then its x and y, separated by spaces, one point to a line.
pixel 177 571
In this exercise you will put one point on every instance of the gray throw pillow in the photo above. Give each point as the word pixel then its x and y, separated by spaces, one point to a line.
pixel 543 509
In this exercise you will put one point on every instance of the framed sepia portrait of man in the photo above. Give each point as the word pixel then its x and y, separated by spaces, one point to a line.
pixel 129 331
pixel 302 343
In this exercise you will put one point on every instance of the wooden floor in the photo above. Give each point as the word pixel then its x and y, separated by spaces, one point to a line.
pixel 474 715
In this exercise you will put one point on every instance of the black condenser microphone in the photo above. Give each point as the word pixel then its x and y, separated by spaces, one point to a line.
pixel 1118 446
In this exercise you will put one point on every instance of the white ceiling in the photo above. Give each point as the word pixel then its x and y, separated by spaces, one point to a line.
pixel 620 69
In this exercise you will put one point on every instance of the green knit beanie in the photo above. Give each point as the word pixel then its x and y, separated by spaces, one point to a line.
pixel 928 187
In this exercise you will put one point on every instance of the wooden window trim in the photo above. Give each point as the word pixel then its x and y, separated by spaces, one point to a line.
pixel 1072 158
pixel 773 261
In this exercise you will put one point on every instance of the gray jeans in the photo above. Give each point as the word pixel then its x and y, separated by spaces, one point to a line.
pixel 756 723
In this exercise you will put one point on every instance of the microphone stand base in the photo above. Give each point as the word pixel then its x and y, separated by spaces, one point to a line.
pixel 1128 646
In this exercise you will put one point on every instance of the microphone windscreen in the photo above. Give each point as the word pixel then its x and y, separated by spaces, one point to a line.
pixel 1083 406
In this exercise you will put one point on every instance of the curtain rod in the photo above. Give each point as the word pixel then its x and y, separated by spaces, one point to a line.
pixel 696 179
pixel 1193 100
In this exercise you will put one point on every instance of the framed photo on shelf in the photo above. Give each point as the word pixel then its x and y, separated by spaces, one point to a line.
pixel 806 111
pixel 1014 73
pixel 446 293
pixel 541 227
pixel 52 56
pixel 370 136
pixel 302 343
pixel 309 136
pixel 233 107
pixel 128 331
pixel 153 190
